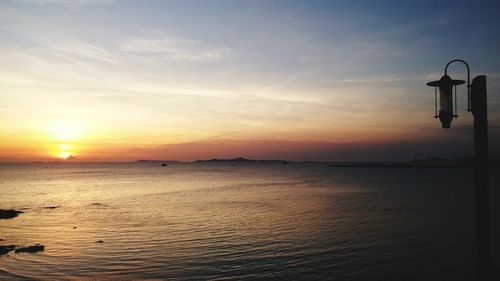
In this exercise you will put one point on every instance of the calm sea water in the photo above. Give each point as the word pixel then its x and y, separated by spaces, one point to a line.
pixel 248 221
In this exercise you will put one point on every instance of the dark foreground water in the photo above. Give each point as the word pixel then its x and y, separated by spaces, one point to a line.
pixel 248 221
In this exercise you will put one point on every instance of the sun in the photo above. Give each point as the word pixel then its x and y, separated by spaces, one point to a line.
pixel 64 154
pixel 65 138
pixel 66 151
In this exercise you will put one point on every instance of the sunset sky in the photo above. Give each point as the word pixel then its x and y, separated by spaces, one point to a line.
pixel 106 80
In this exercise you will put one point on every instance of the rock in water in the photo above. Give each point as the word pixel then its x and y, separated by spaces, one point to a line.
pixel 30 249
pixel 9 214
pixel 5 249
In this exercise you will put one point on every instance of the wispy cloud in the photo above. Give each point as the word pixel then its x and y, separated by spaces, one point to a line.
pixel 80 49
pixel 174 49
pixel 67 2
pixel 391 78
pixel 299 150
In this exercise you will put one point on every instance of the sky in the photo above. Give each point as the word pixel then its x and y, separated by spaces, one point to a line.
pixel 118 80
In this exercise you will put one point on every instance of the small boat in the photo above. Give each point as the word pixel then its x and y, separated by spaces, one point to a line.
pixel 164 164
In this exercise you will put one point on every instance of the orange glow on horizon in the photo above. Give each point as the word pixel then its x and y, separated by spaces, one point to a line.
pixel 65 141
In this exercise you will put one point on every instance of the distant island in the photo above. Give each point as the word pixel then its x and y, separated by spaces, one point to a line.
pixel 156 161
pixel 415 163
pixel 431 162
pixel 241 160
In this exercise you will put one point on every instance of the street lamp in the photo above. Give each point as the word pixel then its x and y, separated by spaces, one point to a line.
pixel 446 109
pixel 476 99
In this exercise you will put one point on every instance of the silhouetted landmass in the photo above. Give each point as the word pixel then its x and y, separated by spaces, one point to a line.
pixel 418 163
pixel 9 214
pixel 240 160
pixel 156 161
pixel 5 249
pixel 30 249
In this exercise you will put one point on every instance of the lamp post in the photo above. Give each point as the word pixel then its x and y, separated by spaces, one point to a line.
pixel 476 93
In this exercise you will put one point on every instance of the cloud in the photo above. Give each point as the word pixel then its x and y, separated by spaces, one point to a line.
pixel 448 147
pixel 173 49
pixel 82 49
pixel 67 2
pixel 71 158
pixel 389 78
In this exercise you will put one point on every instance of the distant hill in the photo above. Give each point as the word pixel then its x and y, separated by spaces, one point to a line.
pixel 156 161
pixel 240 160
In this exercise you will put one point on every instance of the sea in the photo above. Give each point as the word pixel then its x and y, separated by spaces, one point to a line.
pixel 240 221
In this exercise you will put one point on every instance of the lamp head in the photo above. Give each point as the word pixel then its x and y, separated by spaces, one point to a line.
pixel 445 85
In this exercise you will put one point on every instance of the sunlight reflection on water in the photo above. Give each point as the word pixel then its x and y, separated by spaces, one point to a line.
pixel 215 221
